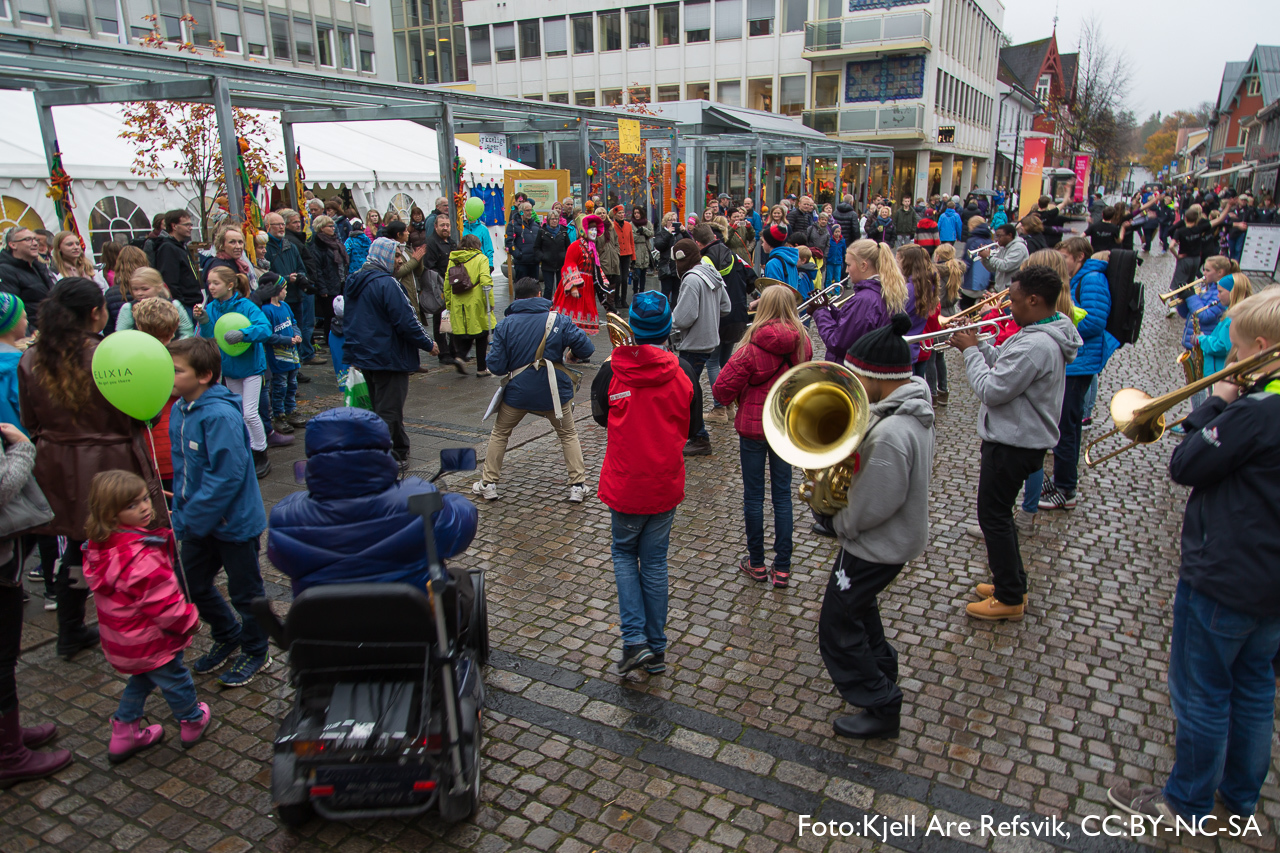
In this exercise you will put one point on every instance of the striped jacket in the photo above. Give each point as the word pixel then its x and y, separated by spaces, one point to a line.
pixel 142 615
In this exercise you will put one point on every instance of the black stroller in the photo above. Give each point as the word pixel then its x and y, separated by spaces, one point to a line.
pixel 386 719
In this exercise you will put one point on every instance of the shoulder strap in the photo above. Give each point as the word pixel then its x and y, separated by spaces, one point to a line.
pixel 540 361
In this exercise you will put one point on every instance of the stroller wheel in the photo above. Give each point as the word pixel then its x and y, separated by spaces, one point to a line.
pixel 296 815
pixel 459 808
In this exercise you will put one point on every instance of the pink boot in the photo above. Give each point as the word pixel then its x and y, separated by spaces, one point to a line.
pixel 19 764
pixel 193 730
pixel 130 738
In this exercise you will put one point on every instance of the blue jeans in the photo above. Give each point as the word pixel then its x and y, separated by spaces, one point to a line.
pixel 699 360
pixel 1031 492
pixel 284 392
pixel 1090 398
pixel 203 558
pixel 1066 455
pixel 754 454
pixel 174 681
pixel 1222 688
pixel 833 273
pixel 639 549
pixel 307 323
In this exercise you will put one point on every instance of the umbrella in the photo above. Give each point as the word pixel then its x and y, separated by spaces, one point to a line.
pixel 982 192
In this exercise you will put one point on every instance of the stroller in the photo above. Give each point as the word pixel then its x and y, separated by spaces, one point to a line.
pixel 386 720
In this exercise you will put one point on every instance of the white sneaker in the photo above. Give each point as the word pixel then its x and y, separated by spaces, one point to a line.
pixel 975 531
pixel 577 493
pixel 51 604
pixel 488 491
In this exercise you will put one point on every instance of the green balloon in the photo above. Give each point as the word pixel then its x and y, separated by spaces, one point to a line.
pixel 226 323
pixel 134 372
pixel 474 209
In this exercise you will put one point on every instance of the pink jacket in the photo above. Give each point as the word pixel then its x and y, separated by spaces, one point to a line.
pixel 143 616
pixel 753 369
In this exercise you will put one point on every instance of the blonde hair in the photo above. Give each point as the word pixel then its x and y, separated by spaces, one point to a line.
pixel 1056 261
pixel 157 317
pixel 721 225
pixel 82 267
pixel 1258 316
pixel 805 254
pixel 320 222
pixel 777 304
pixel 130 261
pixel 672 216
pixel 1192 216
pixel 232 279
pixel 109 493
pixel 893 286
pixel 944 258
pixel 975 221
pixel 151 276
pixel 1223 264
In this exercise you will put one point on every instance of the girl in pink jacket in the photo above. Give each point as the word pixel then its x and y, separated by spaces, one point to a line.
pixel 144 619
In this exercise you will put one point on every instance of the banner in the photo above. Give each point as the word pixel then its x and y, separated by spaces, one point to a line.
pixel 1032 169
pixel 629 136
pixel 1082 177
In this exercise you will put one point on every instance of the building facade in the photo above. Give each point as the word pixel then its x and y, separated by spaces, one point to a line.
pixel 343 37
pixel 1016 112
pixel 1247 88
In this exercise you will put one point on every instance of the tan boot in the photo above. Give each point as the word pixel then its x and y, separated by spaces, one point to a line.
pixel 988 590
pixel 718 415
pixel 991 610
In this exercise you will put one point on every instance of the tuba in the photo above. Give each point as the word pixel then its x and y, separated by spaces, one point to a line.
pixel 620 334
pixel 815 416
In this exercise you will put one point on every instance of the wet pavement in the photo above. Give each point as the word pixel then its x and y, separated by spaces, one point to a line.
pixel 733 744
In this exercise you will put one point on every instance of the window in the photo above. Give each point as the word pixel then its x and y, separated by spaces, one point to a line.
pixel 346 48
pixel 583 37
pixel 826 90
pixel 104 15
pixel 638 94
pixel 669 24
pixel 668 93
pixel 256 32
pixel 33 12
pixel 202 29
pixel 697 22
pixel 279 37
pixel 729 93
pixel 760 94
pixel 480 46
pixel 302 41
pixel 698 91
pixel 324 45
pixel 408 67
pixel 1242 138
pixel 610 30
pixel 504 42
pixel 638 27
pixel 530 41
pixel 171 20
pixel 1254 86
pixel 71 15
pixel 426 11
pixel 558 97
pixel 760 17
pixel 610 97
pixel 365 43
pixel 791 95
pixel 533 97
pixel 728 20
pixel 231 42
pixel 584 99
pixel 116 218
pixel 5 14
pixel 795 13
pixel 1042 88
pixel 555 40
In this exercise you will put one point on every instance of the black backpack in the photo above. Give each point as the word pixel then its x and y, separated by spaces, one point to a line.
pixel 1127 296
pixel 460 279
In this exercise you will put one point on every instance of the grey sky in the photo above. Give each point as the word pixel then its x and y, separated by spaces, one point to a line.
pixel 1187 43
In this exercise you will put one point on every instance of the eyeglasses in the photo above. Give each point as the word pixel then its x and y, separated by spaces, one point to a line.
pixel 26 240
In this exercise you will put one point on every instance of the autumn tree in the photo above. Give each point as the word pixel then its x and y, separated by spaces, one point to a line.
pixel 169 136
pixel 1097 113
pixel 1161 146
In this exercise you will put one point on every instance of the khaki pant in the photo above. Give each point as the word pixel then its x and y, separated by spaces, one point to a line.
pixel 509 417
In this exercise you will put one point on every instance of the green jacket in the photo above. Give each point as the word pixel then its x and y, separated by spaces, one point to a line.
pixel 470 313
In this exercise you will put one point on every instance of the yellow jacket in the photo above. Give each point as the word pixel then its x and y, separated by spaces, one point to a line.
pixel 472 312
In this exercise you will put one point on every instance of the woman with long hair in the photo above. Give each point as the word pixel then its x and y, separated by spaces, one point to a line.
pixel 77 435
pixel 775 342
pixel 70 261
pixel 668 234
pixel 879 292
pixel 373 225
pixel 107 260
pixel 130 261
pixel 924 309
pixel 950 271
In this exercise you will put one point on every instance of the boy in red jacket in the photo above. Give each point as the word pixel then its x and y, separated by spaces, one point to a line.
pixel 145 621
pixel 646 399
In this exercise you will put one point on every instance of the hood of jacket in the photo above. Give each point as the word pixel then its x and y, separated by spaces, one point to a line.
pixel 348 454
pixel 463 256
pixel 1062 332
pixel 216 395
pixel 532 305
pixel 912 399
pixel 777 338
pixel 983 231
pixel 644 365
pixel 720 256
pixel 109 560
pixel 359 281
pixel 789 255
pixel 846 210
pixel 708 273
pixel 1092 265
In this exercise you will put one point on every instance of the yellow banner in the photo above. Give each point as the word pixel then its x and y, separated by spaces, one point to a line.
pixel 629 136
pixel 1032 172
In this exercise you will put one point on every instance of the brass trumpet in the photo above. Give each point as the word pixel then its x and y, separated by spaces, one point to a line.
pixel 973 253
pixel 1140 418
pixel 1173 297
pixel 815 416
pixel 994 302
pixel 620 334
pixel 826 292
pixel 938 341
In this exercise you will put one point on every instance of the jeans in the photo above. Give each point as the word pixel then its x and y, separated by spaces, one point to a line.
pixel 533 271
pixel 753 455
pixel 462 346
pixel 1222 688
pixel 202 559
pixel 509 417
pixel 861 663
pixel 1031 490
pixel 264 403
pixel 250 390
pixel 550 278
pixel 929 370
pixel 698 360
pixel 335 356
pixel 940 362
pixel 174 681
pixel 670 288
pixel 1090 397
pixel 639 550
pixel 1066 455
pixel 284 393
pixel 388 389
pixel 1004 469
pixel 307 323
pixel 834 272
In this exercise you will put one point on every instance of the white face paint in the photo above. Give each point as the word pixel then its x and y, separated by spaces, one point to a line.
pixel 591 233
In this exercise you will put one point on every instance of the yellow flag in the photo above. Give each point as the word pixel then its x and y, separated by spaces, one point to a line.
pixel 629 136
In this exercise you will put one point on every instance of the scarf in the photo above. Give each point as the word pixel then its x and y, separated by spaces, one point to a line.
pixel 382 255
pixel 334 245
pixel 242 266
pixel 595 256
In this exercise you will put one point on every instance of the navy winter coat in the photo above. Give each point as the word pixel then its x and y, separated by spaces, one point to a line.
pixel 523 242
pixel 353 524
pixel 382 332
pixel 515 342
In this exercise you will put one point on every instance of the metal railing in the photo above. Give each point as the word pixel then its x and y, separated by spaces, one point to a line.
pixel 878 121
pixel 866 32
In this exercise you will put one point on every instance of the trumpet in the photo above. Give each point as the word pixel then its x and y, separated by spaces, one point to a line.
pixel 830 291
pixel 620 334
pixel 1140 418
pixel 974 252
pixel 994 302
pixel 937 341
pixel 1173 297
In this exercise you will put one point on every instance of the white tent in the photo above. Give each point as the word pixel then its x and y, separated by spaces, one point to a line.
pixel 386 165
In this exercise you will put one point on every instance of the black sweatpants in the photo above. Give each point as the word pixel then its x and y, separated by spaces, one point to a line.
pixel 1004 469
pixel 462 346
pixel 861 663
pixel 388 390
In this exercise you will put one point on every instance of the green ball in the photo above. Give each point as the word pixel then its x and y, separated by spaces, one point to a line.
pixel 226 323
pixel 134 372
pixel 474 209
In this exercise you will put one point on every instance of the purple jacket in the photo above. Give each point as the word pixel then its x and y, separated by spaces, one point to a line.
pixel 864 312
pixel 917 322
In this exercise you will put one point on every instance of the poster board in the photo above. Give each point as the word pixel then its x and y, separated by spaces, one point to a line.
pixel 1261 249
pixel 543 186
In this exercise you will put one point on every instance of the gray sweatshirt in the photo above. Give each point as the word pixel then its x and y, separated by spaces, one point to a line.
pixel 702 302
pixel 1005 262
pixel 1020 385
pixel 887 519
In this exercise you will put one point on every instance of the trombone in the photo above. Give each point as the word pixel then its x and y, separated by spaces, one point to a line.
pixel 994 302
pixel 938 341
pixel 762 283
pixel 1140 418
pixel 976 250
pixel 1173 297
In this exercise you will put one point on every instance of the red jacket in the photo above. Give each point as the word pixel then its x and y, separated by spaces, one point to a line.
pixel 142 615
pixel 160 436
pixel 649 400
pixel 753 369
pixel 1008 327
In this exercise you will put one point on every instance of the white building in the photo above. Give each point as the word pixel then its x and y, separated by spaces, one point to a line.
pixel 1016 110
pixel 919 75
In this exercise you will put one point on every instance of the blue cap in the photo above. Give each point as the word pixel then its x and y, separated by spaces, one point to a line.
pixel 650 317
pixel 1227 283
pixel 11 309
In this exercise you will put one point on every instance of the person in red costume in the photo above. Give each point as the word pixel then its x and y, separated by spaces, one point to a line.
pixel 576 296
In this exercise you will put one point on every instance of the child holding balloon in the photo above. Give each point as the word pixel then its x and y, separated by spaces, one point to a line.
pixel 239 328
pixel 159 318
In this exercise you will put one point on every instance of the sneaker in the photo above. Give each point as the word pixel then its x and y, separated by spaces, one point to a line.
pixel 480 374
pixel 718 415
pixel 975 531
pixel 577 492
pixel 460 366
pixel 214 658
pixel 633 657
pixel 1024 521
pixel 36 574
pixel 992 610
pixel 193 730
pixel 1144 801
pixel 781 578
pixel 698 447
pixel 1051 498
pixel 1177 429
pixel 316 361
pixel 657 664
pixel 1086 422
pixel 277 439
pixel 296 420
pixel 757 573
pixel 489 491
pixel 281 425
pixel 51 604
pixel 243 670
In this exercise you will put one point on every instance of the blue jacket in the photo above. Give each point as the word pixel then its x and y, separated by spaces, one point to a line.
pixel 252 361
pixel 9 358
pixel 835 252
pixel 353 524
pixel 977 277
pixel 215 487
pixel 756 222
pixel 479 229
pixel 949 226
pixel 357 246
pixel 382 332
pixel 515 342
pixel 782 265
pixel 1211 311
pixel 282 353
pixel 1090 291
pixel 284 256
pixel 1216 345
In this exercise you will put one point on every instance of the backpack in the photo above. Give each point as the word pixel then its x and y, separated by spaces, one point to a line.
pixel 460 280
pixel 1127 297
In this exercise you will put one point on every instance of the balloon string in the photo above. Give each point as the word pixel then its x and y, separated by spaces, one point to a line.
pixel 177 552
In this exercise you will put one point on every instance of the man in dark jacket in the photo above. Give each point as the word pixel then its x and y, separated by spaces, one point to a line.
pixel 439 244
pixel 739 280
pixel 383 337
pixel 301 297
pixel 516 349
pixel 286 261
pixel 522 243
pixel 173 259
pixel 904 221
pixel 846 216
pixel 800 217
pixel 21 272
pixel 551 243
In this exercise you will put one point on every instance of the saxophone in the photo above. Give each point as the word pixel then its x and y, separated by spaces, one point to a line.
pixel 1192 360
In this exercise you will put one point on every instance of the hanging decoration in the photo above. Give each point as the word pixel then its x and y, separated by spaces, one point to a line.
pixel 680 189
pixel 459 187
pixel 299 177
pixel 252 211
pixel 64 204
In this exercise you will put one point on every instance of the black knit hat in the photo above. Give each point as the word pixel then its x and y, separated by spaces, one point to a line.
pixel 774 235
pixel 882 353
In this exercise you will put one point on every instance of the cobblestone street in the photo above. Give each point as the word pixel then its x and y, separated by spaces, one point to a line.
pixel 734 742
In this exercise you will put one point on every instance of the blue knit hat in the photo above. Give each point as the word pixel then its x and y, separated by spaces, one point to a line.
pixel 650 317
pixel 11 309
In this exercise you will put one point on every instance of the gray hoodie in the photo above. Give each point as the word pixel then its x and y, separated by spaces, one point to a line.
pixel 702 302
pixel 1005 262
pixel 887 519
pixel 1020 385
